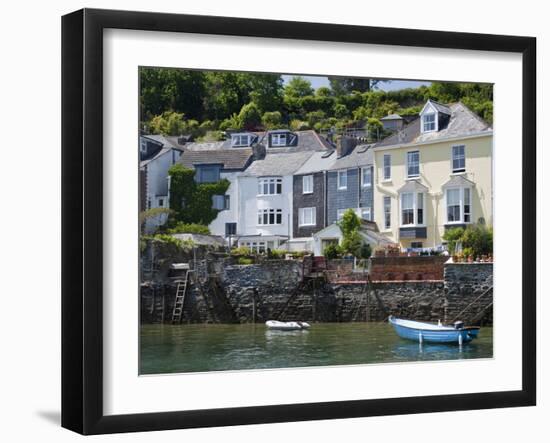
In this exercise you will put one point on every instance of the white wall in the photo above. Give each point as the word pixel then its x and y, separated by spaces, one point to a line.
pixel 217 227
pixel 250 203
pixel 30 373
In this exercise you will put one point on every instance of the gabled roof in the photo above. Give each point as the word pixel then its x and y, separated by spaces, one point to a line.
pixel 230 159
pixel 412 186
pixel 440 107
pixel 392 117
pixel 462 123
pixel 360 156
pixel 319 161
pixel 458 181
pixel 278 164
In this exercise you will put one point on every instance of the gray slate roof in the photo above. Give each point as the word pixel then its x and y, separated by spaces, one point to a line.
pixel 202 239
pixel 458 181
pixel 463 122
pixel 441 107
pixel 392 117
pixel 277 164
pixel 360 156
pixel 234 158
pixel 413 186
pixel 319 161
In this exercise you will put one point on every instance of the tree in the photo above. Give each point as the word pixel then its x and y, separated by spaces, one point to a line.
pixel 346 85
pixel 250 117
pixel 351 239
pixel 272 120
pixel 298 87
pixel 266 91
pixel 341 111
pixel 168 123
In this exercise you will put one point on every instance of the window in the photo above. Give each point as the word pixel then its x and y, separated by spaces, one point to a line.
pixel 387 167
pixel 307 217
pixel 258 247
pixel 340 213
pixel 366 214
pixel 467 206
pixel 420 208
pixel 207 174
pixel 343 179
pixel 279 139
pixel 230 229
pixel 416 245
pixel 161 203
pixel 240 140
pixel 413 164
pixel 412 208
pixel 366 177
pixel 407 209
pixel 428 122
pixel 270 216
pixel 453 205
pixel 459 158
pixel 270 186
pixel 142 146
pixel 307 184
pixel 218 202
pixel 387 212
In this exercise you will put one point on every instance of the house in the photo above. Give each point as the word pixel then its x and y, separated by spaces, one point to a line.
pixel 434 174
pixel 265 202
pixel 157 155
pixel 349 181
pixel 225 159
pixel 392 122
pixel 332 234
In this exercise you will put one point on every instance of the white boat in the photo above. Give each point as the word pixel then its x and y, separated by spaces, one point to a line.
pixel 287 325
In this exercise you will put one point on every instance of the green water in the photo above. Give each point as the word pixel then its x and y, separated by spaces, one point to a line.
pixel 199 348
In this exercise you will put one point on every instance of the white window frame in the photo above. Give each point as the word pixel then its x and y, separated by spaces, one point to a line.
pixel 340 213
pixel 265 215
pixel 461 200
pixel 409 164
pixel 342 173
pixel 415 207
pixel 266 182
pixel 458 170
pixel 237 140
pixel 311 213
pixel 386 174
pixel 425 123
pixel 366 210
pixel 307 184
pixel 366 183
pixel 277 140
pixel 386 204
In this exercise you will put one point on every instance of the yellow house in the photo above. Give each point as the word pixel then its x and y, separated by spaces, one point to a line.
pixel 434 174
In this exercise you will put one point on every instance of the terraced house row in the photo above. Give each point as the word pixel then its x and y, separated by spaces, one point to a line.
pixel 288 189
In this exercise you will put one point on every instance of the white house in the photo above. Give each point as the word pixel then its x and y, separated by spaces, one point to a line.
pixel 157 155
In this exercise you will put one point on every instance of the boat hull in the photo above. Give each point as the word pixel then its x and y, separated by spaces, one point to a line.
pixel 433 334
pixel 287 325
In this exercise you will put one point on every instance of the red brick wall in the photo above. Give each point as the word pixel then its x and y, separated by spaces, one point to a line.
pixel 407 268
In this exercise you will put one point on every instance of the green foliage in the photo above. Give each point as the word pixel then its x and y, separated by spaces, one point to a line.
pixel 241 251
pixel 171 241
pixel 314 118
pixel 212 136
pixel 298 87
pixel 159 215
pixel 272 120
pixel 245 261
pixel 276 254
pixel 346 85
pixel 250 117
pixel 341 111
pixel 168 123
pixel 191 201
pixel 351 239
pixel 365 252
pixel 189 228
pixel 452 236
pixel 333 251
pixel 299 125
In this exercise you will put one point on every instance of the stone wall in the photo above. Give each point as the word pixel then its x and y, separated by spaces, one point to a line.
pixel 276 289
pixel 469 292
pixel 400 268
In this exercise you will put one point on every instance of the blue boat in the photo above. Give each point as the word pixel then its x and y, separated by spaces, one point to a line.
pixel 432 333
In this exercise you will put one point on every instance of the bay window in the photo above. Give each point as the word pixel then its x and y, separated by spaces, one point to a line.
pixel 459 206
pixel 412 208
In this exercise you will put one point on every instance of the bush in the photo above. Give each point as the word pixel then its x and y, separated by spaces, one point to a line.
pixel 169 240
pixel 245 261
pixel 333 251
pixel 478 239
pixel 365 252
pixel 276 254
pixel 189 228
pixel 453 236
pixel 241 251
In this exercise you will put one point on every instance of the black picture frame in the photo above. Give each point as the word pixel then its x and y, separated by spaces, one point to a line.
pixel 82 231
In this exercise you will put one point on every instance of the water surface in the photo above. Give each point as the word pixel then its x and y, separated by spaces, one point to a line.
pixel 206 347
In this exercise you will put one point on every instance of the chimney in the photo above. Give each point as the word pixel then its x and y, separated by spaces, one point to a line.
pixel 344 145
pixel 258 151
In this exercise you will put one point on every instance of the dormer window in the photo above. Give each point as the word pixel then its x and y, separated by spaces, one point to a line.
pixel 428 123
pixel 279 139
pixel 241 140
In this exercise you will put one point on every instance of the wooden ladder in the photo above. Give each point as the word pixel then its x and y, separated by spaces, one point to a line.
pixel 179 301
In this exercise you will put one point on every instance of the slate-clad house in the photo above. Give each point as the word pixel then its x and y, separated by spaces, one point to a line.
pixel 157 154
pixel 218 160
pixel 433 175
pixel 309 198
pixel 350 182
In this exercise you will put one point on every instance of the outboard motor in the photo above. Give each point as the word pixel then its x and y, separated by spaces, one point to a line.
pixel 458 324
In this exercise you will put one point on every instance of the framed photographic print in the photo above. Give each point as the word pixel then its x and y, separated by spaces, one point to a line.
pixel 270 221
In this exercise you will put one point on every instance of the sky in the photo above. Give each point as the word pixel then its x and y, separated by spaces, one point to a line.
pixel 318 81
